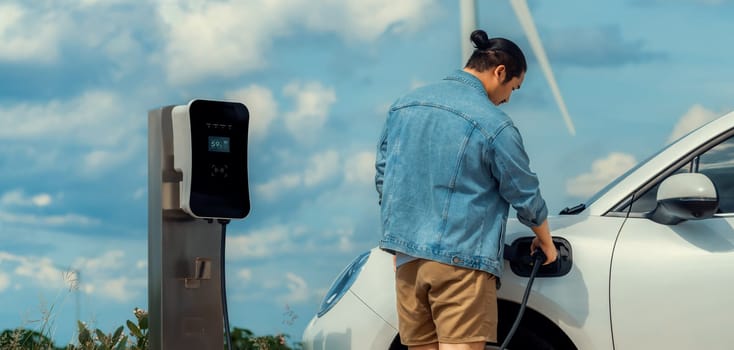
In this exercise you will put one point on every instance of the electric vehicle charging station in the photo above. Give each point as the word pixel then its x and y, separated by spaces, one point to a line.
pixel 197 182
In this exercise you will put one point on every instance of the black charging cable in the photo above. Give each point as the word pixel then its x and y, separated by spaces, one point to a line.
pixel 225 313
pixel 538 260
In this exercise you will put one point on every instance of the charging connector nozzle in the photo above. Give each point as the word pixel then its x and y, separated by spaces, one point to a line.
pixel 539 256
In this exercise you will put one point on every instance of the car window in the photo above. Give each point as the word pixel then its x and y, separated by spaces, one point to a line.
pixel 717 163
pixel 648 201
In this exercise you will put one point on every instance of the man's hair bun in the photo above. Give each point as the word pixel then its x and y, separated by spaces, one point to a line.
pixel 480 39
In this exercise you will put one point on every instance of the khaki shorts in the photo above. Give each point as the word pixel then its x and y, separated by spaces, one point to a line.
pixel 446 304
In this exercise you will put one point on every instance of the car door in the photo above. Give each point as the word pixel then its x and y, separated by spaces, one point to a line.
pixel 671 286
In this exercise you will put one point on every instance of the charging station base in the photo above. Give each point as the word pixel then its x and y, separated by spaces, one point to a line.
pixel 184 293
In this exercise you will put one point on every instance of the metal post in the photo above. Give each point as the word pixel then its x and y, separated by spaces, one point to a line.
pixel 184 294
pixel 468 13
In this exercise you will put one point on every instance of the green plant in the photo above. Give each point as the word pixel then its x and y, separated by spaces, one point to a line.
pixel 25 339
pixel 140 330
pixel 138 339
pixel 244 339
pixel 98 340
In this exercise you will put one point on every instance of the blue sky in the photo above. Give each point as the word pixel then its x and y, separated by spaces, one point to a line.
pixel 78 77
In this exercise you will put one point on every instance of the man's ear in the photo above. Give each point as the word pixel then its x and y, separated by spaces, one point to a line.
pixel 500 72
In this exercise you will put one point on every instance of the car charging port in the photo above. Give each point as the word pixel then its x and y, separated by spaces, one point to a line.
pixel 521 261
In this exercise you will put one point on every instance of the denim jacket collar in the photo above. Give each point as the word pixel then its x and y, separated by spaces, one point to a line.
pixel 468 79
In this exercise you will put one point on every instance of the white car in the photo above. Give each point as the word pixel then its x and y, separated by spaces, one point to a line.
pixel 646 264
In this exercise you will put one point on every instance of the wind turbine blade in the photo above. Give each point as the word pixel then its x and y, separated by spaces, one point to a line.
pixel 526 21
pixel 468 10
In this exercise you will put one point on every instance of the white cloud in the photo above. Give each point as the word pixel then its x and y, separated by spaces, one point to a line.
pixel 4 256
pixel 98 159
pixel 273 188
pixel 280 240
pixel 40 270
pixel 236 44
pixel 44 31
pixel 99 275
pixel 298 290
pixel 367 20
pixel 257 243
pixel 313 102
pixel 141 264
pixel 602 171
pixel 100 124
pixel 35 31
pixel 19 198
pixel 28 36
pixel 48 220
pixel 14 197
pixel 244 275
pixel 262 107
pixel 87 288
pixel 696 116
pixel 140 193
pixel 97 118
pixel 4 281
pixel 121 45
pixel 345 244
pixel 121 48
pixel 41 200
pixel 87 3
pixel 101 160
pixel 120 288
pixel 245 31
pixel 339 237
pixel 360 168
pixel 110 260
pixel 321 167
pixel 108 275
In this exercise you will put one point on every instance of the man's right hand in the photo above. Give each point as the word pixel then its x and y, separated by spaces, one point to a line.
pixel 544 241
pixel 549 249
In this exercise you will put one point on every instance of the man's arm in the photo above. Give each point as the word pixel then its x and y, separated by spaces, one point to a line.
pixel 519 186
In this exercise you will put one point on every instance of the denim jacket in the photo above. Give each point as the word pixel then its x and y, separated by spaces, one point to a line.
pixel 449 164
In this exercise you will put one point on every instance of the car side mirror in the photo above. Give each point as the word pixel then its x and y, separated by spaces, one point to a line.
pixel 686 196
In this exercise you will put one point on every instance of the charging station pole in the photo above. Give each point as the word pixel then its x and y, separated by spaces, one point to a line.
pixel 184 294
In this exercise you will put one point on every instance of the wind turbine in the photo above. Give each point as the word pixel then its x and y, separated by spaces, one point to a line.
pixel 468 13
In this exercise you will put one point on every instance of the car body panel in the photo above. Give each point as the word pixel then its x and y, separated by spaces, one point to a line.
pixel 376 286
pixel 577 302
pixel 656 290
pixel 350 324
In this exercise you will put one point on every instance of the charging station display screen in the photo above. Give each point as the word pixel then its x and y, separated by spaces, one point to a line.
pixel 219 144
pixel 219 185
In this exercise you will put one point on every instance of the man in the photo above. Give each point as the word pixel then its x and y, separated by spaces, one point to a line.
pixel 449 164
